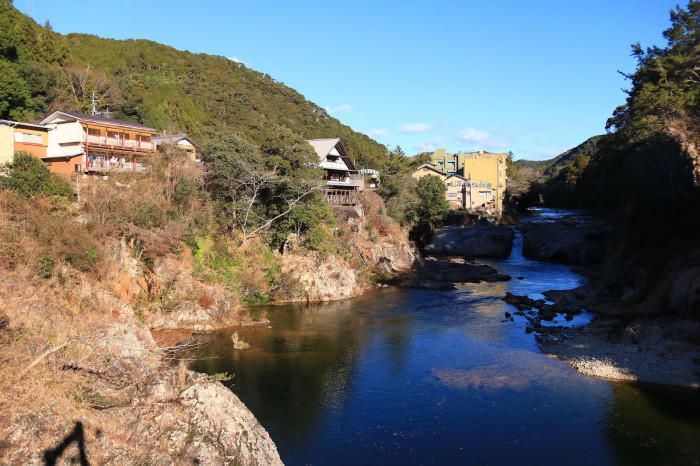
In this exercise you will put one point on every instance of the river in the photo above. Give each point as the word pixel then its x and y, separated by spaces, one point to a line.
pixel 440 377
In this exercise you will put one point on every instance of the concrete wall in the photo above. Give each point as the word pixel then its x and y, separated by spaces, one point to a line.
pixel 65 138
pixel 7 149
pixel 64 167
pixel 488 168
pixel 32 141
pixel 456 193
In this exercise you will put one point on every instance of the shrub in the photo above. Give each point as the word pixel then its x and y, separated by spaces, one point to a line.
pixel 28 176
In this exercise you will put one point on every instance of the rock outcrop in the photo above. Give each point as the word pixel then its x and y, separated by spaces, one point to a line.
pixel 481 240
pixel 564 242
pixel 107 396
pixel 443 274
pixel 374 244
pixel 313 278
pixel 214 408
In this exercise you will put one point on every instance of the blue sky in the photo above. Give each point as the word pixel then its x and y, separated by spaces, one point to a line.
pixel 534 77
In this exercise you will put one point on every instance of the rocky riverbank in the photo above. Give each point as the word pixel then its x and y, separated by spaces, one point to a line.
pixel 660 351
pixel 82 377
pixel 646 327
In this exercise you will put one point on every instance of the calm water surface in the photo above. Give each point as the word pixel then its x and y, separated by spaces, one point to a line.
pixel 437 377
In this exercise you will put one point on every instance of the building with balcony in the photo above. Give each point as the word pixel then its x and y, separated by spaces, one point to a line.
pixel 461 192
pixel 483 168
pixel 17 136
pixel 95 144
pixel 181 141
pixel 341 180
pixel 468 194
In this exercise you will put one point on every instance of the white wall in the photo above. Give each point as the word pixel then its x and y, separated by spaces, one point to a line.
pixel 66 138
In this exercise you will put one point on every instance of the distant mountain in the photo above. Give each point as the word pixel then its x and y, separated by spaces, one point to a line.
pixel 202 95
pixel 569 159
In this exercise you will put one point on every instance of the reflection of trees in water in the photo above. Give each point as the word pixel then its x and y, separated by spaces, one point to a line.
pixel 304 364
pixel 654 426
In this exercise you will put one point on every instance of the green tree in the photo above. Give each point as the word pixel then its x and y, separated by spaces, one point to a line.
pixel 307 221
pixel 432 204
pixel 665 88
pixel 29 176
pixel 15 99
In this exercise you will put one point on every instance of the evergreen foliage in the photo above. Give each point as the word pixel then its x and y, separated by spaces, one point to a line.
pixel 201 95
pixel 29 176
pixel 432 206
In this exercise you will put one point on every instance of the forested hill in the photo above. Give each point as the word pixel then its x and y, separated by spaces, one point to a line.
pixel 202 95
pixel 570 158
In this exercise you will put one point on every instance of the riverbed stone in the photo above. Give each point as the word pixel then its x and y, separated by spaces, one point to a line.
pixel 481 240
pixel 564 242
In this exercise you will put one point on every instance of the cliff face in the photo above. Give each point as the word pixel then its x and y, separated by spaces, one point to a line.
pixel 374 246
pixel 79 367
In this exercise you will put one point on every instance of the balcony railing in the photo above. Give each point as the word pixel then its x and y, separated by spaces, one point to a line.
pixel 132 144
pixel 106 165
pixel 333 165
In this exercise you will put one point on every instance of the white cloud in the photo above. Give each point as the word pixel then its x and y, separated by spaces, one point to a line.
pixel 430 145
pixel 237 60
pixel 379 133
pixel 414 128
pixel 473 136
pixel 345 108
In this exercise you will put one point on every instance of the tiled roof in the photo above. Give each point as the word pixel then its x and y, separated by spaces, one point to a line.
pixel 100 119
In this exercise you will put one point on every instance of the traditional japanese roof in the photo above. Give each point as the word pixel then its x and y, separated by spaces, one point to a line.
pixel 172 139
pixel 457 176
pixel 99 120
pixel 430 166
pixel 323 148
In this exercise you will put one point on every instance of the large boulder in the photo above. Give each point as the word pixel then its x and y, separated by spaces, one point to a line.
pixel 482 240
pixel 435 274
pixel 564 242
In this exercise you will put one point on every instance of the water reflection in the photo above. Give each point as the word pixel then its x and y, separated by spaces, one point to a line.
pixel 649 426
pixel 419 376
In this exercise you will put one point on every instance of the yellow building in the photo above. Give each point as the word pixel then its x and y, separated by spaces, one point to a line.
pixel 427 169
pixel 485 169
pixel 17 136
pixel 181 141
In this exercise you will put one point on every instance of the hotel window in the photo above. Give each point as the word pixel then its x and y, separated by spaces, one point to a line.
pixel 112 134
pixel 28 138
pixel 94 131
pixel 451 194
pixel 145 138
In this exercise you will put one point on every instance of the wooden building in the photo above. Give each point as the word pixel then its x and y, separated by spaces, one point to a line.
pixel 95 144
pixel 341 180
